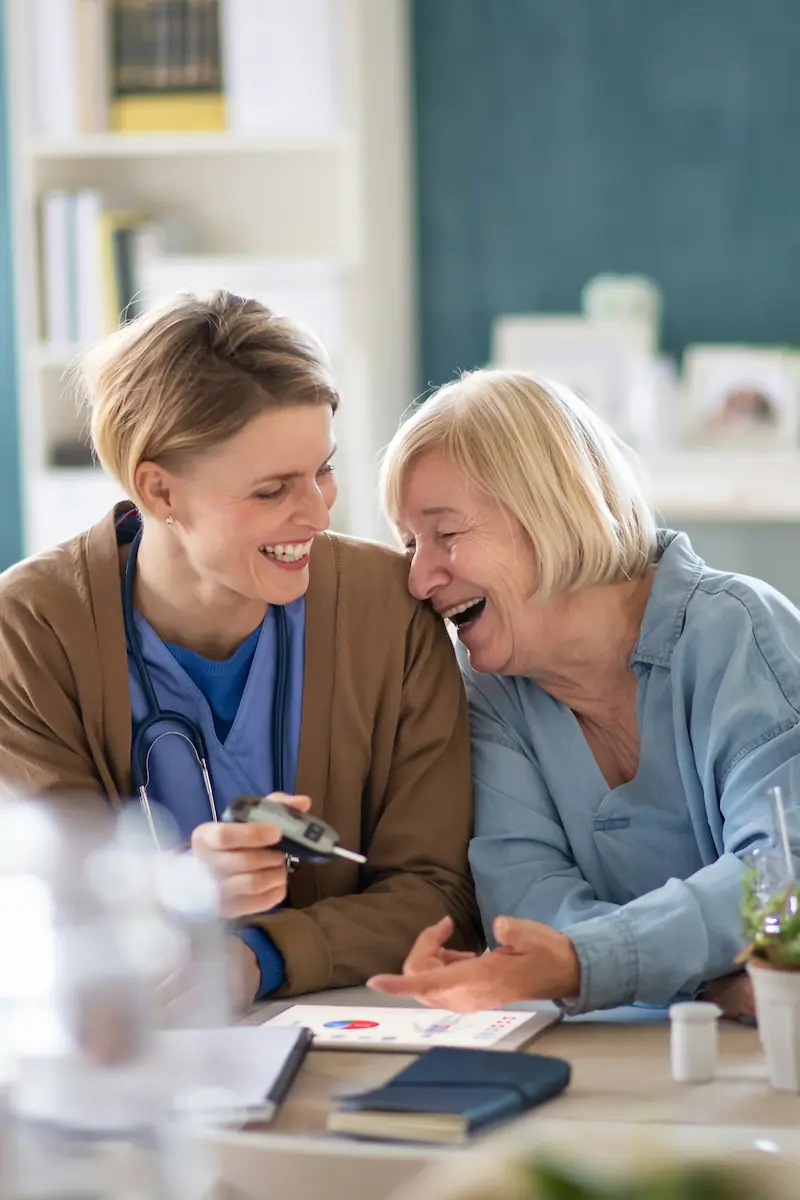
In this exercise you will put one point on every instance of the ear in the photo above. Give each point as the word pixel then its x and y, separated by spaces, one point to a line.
pixel 154 488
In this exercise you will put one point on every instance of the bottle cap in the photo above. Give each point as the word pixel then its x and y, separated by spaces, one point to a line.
pixel 695 1010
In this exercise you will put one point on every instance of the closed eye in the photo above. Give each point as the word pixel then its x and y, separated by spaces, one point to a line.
pixel 326 469
pixel 276 495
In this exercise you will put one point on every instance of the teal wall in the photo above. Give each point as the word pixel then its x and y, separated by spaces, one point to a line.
pixel 10 520
pixel 559 138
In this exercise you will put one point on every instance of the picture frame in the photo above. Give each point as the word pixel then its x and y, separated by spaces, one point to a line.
pixel 607 363
pixel 741 398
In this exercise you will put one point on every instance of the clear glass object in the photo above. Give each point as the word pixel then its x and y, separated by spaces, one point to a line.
pixel 102 942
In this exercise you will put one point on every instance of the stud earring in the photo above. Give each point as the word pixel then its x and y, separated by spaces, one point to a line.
pixel 169 521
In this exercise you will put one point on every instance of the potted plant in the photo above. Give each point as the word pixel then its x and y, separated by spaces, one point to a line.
pixel 489 1173
pixel 771 915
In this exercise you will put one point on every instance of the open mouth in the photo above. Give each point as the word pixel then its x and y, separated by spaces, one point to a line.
pixel 465 614
pixel 291 552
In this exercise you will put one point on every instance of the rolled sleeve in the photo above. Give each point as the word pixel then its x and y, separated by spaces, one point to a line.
pixel 607 951
pixel 270 959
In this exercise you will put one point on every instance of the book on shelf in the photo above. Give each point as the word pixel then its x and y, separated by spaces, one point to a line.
pixel 93 59
pixel 280 66
pixel 140 66
pixel 93 256
pixel 71 49
pixel 56 224
pixel 167 66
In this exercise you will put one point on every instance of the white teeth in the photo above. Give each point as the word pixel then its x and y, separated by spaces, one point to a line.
pixel 459 608
pixel 288 553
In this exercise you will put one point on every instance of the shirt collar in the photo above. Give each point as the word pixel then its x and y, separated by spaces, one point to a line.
pixel 127 522
pixel 678 573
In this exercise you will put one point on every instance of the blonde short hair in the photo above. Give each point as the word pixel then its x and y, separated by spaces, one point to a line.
pixel 189 374
pixel 549 460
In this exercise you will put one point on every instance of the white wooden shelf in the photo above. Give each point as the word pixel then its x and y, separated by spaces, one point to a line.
pixel 342 195
pixel 725 486
pixel 160 145
pixel 68 499
pixel 51 356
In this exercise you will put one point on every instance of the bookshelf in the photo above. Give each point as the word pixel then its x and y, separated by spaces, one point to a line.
pixel 161 145
pixel 339 197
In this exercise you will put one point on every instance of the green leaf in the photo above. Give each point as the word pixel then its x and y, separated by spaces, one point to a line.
pixel 550 1181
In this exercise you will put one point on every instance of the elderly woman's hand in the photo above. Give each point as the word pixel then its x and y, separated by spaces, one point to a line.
pixel 733 994
pixel 531 962
pixel 251 875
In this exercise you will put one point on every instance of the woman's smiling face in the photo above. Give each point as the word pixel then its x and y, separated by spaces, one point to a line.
pixel 469 558
pixel 248 511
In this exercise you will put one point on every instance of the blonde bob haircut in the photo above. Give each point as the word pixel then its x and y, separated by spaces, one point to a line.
pixel 187 375
pixel 549 460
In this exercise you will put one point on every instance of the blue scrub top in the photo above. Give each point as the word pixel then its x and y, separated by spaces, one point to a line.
pixel 242 763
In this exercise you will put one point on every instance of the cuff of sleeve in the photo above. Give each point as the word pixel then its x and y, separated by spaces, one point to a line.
pixel 270 959
pixel 606 950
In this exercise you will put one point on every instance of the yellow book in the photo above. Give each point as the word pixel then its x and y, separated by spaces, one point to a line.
pixel 196 112
pixel 115 286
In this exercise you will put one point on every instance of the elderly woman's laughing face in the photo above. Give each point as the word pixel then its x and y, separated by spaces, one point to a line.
pixel 469 558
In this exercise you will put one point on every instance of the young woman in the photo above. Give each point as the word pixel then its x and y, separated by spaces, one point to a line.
pixel 211 638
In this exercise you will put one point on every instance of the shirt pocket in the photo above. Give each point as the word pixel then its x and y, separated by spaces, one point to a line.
pixel 610 824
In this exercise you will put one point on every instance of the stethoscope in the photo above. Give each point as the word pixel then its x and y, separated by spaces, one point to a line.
pixel 183 726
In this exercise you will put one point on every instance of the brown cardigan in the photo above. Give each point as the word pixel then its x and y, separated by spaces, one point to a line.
pixel 384 750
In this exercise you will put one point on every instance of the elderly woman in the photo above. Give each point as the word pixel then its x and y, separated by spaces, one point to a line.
pixel 630 707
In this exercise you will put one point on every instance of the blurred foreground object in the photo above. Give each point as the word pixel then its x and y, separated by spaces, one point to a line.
pixel 604 1161
pixel 101 941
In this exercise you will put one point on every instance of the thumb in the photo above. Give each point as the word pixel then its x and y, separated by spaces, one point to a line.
pixel 513 933
pixel 301 803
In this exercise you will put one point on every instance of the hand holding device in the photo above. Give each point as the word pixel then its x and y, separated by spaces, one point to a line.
pixel 245 861
pixel 303 836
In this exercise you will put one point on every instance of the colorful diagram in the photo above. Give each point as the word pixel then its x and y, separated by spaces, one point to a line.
pixel 350 1025
pixel 388 1028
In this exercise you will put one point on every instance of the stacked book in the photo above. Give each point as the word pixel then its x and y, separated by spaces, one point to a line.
pixel 93 258
pixel 246 66
pixel 103 264
pixel 166 66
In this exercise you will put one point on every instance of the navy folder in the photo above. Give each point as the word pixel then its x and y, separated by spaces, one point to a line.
pixel 448 1093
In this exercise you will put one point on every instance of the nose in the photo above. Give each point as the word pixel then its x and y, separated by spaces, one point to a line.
pixel 427 573
pixel 314 510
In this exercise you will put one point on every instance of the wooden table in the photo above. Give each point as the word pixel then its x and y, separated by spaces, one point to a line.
pixel 621 1077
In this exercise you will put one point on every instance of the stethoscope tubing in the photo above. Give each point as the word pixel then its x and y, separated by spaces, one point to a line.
pixel 183 726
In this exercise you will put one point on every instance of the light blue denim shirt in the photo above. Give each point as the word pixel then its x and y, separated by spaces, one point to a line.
pixel 645 878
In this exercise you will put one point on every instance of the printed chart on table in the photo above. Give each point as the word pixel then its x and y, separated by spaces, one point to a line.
pixel 407 1028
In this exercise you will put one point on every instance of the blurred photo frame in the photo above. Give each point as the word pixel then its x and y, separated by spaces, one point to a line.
pixel 608 363
pixel 741 397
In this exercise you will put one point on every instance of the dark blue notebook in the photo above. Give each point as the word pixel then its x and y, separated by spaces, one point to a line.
pixel 448 1093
